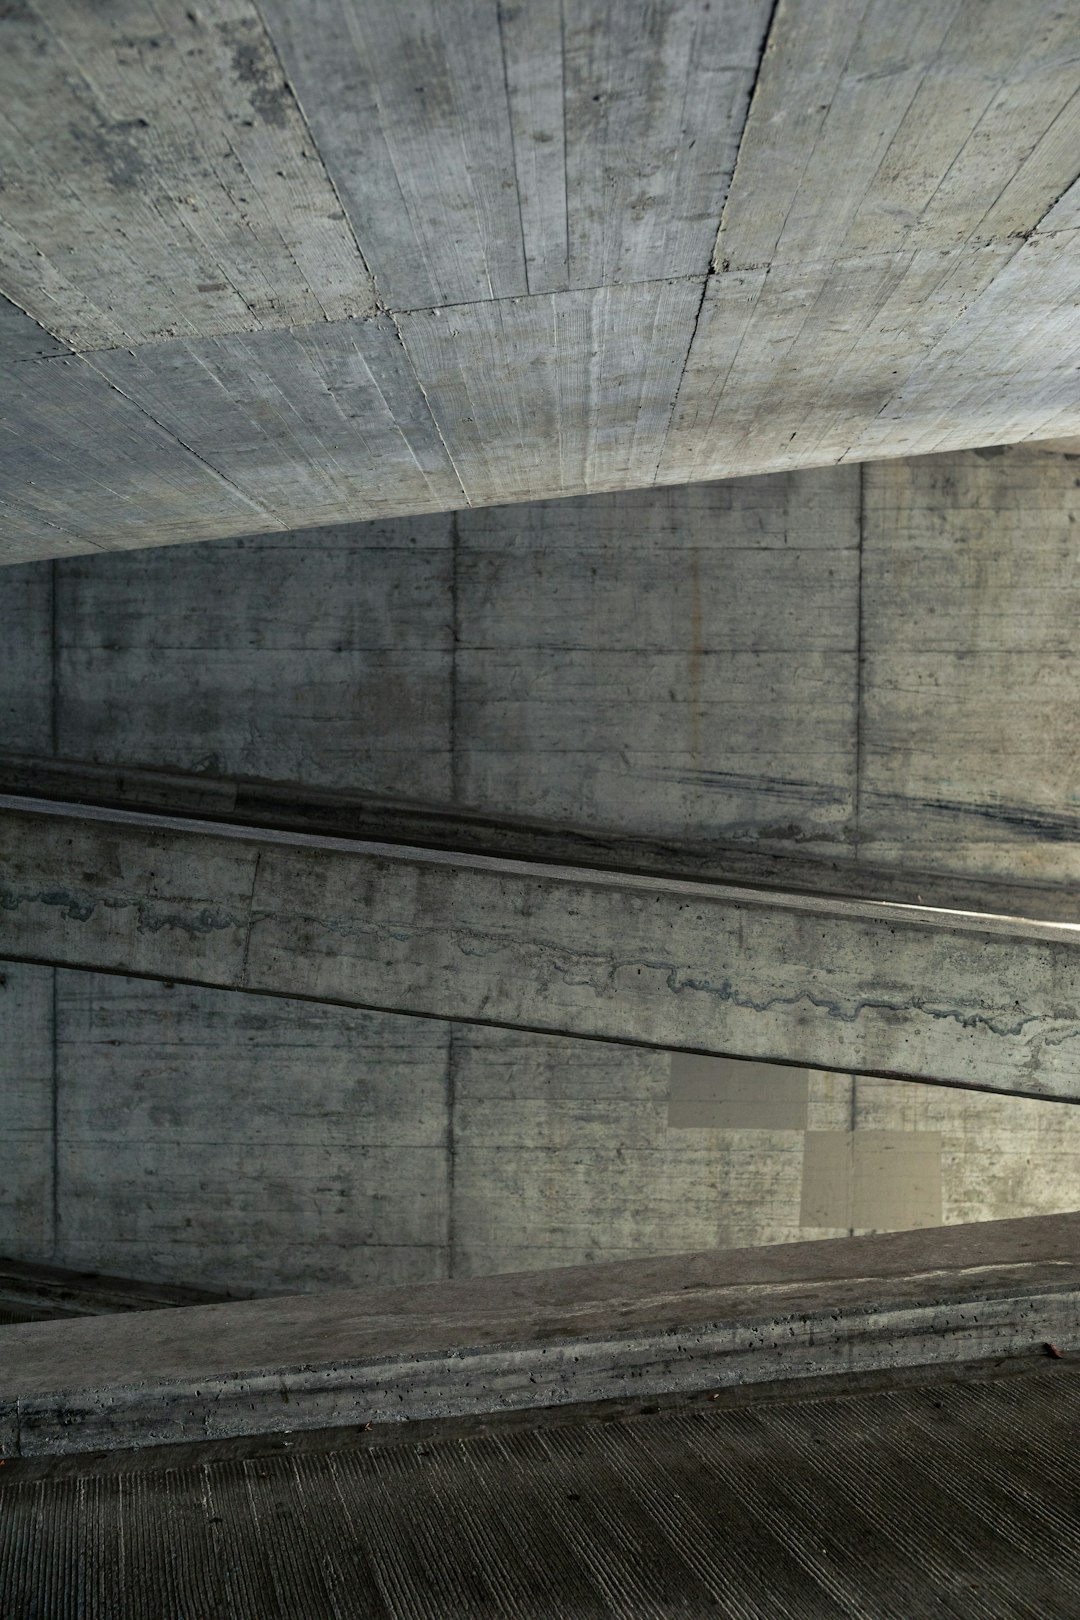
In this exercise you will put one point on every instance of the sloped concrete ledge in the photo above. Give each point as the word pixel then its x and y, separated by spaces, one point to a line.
pixel 860 986
pixel 680 1324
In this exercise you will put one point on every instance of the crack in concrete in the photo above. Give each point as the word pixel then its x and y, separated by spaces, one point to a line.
pixel 424 395
pixel 81 908
pixel 583 969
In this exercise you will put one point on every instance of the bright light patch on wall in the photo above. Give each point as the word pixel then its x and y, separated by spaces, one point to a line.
pixel 722 1093
pixel 871 1181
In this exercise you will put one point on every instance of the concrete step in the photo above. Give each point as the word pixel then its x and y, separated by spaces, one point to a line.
pixel 657 1327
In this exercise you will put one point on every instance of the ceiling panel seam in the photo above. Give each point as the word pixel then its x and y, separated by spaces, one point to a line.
pixel 424 395
pixel 272 520
pixel 306 121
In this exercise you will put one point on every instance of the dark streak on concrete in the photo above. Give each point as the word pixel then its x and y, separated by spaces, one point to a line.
pixel 111 145
pixel 1046 826
pixel 257 72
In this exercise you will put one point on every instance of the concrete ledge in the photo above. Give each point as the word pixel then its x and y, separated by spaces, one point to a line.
pixel 682 1323
pixel 860 986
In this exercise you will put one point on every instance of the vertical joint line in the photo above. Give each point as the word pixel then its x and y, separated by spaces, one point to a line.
pixel 451 1151
pixel 565 147
pixel 55 1124
pixel 859 666
pixel 513 144
pixel 853 1122
pixel 250 922
pixel 54 676
pixel 455 636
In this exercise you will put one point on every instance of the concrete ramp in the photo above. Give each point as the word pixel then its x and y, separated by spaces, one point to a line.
pixel 673 1326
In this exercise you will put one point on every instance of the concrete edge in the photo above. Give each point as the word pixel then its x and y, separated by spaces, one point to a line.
pixel 220 1372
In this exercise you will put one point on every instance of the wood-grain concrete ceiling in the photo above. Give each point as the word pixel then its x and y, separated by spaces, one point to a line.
pixel 329 260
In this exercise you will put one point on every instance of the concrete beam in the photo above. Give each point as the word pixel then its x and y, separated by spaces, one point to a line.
pixel 678 1325
pixel 867 986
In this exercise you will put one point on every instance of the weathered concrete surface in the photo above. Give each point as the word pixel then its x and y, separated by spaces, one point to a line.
pixel 284 807
pixel 584 251
pixel 365 1149
pixel 248 1144
pixel 970 732
pixel 487 660
pixel 877 233
pixel 685 1323
pixel 480 658
pixel 322 658
pixel 685 659
pixel 27 1117
pixel 336 657
pixel 85 469
pixel 515 150
pixel 867 986
pixel 177 191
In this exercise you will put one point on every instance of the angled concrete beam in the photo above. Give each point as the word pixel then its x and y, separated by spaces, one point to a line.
pixel 991 1002
pixel 629 1329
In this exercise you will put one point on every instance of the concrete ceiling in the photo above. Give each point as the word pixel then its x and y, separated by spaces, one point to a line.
pixel 342 259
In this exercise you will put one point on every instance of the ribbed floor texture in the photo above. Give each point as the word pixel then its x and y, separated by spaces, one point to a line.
pixel 958 1499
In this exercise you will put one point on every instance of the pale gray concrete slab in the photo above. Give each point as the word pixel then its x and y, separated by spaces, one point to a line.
pixel 675 1325
pixel 175 132
pixel 517 149
pixel 792 368
pixel 866 188
pixel 22 338
pixel 85 469
pixel 541 191
pixel 890 131
pixel 1027 366
pixel 318 424
pixel 556 394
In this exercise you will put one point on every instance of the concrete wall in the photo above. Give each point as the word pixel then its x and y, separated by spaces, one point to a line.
pixel 878 661
pixel 237 1143
pixel 685 661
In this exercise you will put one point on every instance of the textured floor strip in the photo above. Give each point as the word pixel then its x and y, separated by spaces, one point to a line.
pixel 947 1499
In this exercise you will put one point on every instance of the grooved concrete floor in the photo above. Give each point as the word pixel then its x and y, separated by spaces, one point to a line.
pixel 944 1499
